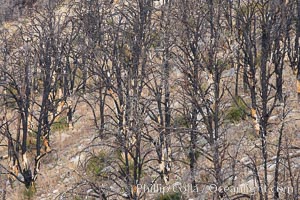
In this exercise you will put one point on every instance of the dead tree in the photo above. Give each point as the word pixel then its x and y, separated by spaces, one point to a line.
pixel 38 43
pixel 201 63
pixel 262 33
pixel 159 85
pixel 118 38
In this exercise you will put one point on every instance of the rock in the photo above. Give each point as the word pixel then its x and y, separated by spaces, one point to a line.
pixel 20 176
pixel 75 159
pixel 107 169
pixel 228 73
pixel 273 118
pixel 7 183
pixel 271 167
pixel 245 160
pixel 89 191
pixel 80 147
pixel 55 191
pixel 125 195
pixel 67 180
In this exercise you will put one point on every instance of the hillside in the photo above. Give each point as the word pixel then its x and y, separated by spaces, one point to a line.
pixel 150 100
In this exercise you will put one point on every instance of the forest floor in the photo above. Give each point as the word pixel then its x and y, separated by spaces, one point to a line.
pixel 60 169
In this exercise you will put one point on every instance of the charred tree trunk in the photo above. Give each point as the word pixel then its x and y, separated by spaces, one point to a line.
pixel 297 49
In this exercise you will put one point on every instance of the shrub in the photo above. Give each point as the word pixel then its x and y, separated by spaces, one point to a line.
pixel 60 125
pixel 96 164
pixel 10 101
pixel 169 196
pixel 29 193
pixel 77 198
pixel 237 112
pixel 180 121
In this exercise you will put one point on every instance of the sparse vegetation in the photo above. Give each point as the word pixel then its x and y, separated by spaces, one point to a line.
pixel 96 164
pixel 28 193
pixel 237 111
pixel 60 125
pixel 101 97
pixel 170 196
pixel 180 121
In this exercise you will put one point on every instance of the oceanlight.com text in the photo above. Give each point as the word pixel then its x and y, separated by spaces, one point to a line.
pixel 186 188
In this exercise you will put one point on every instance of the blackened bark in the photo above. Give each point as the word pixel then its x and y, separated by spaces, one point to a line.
pixel 297 48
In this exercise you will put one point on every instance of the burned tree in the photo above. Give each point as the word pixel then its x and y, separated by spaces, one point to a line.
pixel 35 59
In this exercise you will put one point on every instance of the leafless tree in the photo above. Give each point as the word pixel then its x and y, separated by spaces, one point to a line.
pixel 38 44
